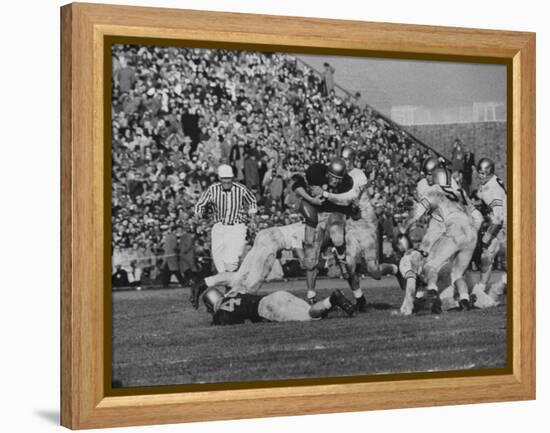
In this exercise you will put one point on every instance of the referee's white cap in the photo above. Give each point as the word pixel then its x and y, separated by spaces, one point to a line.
pixel 225 171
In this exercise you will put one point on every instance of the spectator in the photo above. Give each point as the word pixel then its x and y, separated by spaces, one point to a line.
pixel 179 113
pixel 251 172
pixel 135 274
pixel 469 167
pixel 457 156
pixel 171 265
pixel 328 79
pixel 120 277
pixel 186 257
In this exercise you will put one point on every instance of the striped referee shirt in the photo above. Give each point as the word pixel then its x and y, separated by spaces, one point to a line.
pixel 228 207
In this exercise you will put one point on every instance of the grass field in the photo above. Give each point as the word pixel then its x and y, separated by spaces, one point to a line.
pixel 158 339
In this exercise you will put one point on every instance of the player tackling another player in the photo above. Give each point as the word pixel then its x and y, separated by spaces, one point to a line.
pixel 452 238
pixel 338 214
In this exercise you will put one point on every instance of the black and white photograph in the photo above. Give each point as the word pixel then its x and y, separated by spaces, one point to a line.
pixel 283 216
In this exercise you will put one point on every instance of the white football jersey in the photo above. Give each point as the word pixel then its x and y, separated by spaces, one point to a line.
pixel 359 178
pixel 442 200
pixel 493 194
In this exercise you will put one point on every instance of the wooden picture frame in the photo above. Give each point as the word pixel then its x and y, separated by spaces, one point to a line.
pixel 85 398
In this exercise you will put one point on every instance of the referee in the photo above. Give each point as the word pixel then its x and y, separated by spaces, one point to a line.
pixel 229 202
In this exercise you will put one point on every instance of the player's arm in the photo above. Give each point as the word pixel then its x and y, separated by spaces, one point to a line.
pixel 418 211
pixel 348 197
pixel 299 187
pixel 408 271
pixel 497 221
pixel 203 201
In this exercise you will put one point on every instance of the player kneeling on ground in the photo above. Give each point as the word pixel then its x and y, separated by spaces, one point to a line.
pixel 278 306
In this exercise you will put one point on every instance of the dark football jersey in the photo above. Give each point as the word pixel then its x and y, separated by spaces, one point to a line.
pixel 317 174
pixel 237 309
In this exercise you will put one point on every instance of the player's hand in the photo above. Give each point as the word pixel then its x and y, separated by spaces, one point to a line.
pixel 486 239
pixel 317 201
pixel 316 191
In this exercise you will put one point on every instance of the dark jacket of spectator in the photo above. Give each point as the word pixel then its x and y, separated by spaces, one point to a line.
pixel 251 172
pixel 187 253
pixel 469 163
pixel 170 247
pixel 126 78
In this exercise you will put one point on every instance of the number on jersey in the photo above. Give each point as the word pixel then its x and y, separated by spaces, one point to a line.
pixel 455 195
pixel 229 305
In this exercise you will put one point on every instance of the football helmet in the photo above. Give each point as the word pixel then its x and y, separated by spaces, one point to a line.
pixel 429 165
pixel 337 168
pixel 441 176
pixel 485 168
pixel 212 299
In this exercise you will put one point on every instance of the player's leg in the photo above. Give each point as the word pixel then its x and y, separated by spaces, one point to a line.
pixel 435 230
pixel 283 306
pixel 336 230
pixel 313 242
pixel 407 306
pixel 442 250
pixel 488 254
pixel 254 269
pixel 337 298
pixel 234 241
pixel 218 246
pixel 354 234
pixel 459 266
pixel 496 290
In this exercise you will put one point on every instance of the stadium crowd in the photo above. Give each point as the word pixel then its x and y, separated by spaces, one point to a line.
pixel 178 113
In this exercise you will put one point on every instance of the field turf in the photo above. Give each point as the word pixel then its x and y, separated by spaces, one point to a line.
pixel 158 339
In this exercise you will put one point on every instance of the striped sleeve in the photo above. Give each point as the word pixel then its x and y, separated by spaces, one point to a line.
pixel 203 201
pixel 250 200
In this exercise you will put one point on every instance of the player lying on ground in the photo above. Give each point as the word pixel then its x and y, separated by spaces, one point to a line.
pixel 258 262
pixel 493 194
pixel 411 266
pixel 280 306
pixel 458 242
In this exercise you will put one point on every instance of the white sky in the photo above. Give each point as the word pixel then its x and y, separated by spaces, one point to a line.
pixel 410 82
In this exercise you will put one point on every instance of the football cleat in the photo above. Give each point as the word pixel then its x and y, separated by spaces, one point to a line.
pixel 361 304
pixel 197 289
pixel 337 298
pixel 433 301
pixel 419 305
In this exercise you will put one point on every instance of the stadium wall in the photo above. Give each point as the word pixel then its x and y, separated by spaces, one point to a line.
pixel 491 136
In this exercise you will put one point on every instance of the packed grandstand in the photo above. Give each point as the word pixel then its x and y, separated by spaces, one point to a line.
pixel 178 113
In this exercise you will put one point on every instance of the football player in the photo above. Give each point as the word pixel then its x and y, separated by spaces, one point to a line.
pixel 258 262
pixel 325 220
pixel 361 230
pixel 458 240
pixel 492 193
pixel 411 267
pixel 280 306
